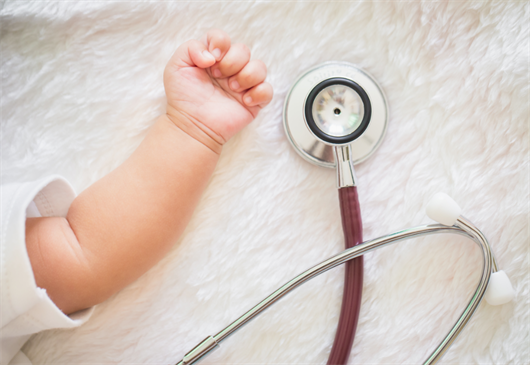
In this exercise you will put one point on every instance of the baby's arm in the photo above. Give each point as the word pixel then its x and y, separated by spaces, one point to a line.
pixel 126 222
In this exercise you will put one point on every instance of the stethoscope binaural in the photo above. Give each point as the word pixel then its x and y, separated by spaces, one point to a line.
pixel 335 116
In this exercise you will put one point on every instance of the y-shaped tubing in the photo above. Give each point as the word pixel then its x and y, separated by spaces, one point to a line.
pixel 463 227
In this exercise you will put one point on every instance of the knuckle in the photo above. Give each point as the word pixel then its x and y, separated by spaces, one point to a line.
pixel 218 35
pixel 246 74
pixel 227 65
pixel 244 49
pixel 223 38
pixel 261 69
pixel 215 32
pixel 186 44
pixel 193 43
pixel 261 88
pixel 266 89
pixel 261 65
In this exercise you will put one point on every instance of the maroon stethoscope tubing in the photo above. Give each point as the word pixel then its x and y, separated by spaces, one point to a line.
pixel 353 283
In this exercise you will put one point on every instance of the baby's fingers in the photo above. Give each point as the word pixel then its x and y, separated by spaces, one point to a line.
pixel 218 43
pixel 252 74
pixel 192 53
pixel 259 95
pixel 235 59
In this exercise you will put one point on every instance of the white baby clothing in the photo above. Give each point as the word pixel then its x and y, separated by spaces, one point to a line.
pixel 25 308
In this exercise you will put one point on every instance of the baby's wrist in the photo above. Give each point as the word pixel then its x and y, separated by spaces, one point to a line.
pixel 195 129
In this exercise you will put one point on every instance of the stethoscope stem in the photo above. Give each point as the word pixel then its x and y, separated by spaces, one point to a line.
pixel 345 170
pixel 462 227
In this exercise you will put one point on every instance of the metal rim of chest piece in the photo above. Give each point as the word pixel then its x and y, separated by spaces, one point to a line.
pixel 304 141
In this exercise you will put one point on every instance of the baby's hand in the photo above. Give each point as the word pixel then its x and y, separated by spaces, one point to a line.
pixel 167 174
pixel 214 86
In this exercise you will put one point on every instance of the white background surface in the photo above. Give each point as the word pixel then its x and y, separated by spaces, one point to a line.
pixel 82 83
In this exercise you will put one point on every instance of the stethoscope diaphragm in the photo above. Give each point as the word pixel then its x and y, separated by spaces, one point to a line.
pixel 338 111
pixel 333 104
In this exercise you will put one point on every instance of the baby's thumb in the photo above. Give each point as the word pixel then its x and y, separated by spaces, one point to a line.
pixel 192 54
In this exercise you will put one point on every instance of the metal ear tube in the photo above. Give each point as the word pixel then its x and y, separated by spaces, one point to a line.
pixel 461 226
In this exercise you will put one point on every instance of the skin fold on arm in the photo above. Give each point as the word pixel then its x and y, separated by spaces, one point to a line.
pixel 126 222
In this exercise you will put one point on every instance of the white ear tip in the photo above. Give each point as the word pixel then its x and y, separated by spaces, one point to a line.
pixel 443 209
pixel 500 289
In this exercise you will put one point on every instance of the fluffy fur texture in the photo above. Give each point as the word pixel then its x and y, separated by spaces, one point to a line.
pixel 82 82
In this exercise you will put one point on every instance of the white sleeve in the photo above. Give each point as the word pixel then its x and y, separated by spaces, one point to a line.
pixel 25 308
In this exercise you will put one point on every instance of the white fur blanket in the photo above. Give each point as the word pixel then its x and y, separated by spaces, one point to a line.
pixel 82 82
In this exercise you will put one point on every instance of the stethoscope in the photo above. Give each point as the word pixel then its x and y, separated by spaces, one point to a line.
pixel 335 115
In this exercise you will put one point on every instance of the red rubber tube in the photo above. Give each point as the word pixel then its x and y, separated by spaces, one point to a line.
pixel 353 281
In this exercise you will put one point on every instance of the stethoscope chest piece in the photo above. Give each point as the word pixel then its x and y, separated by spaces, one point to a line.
pixel 335 104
